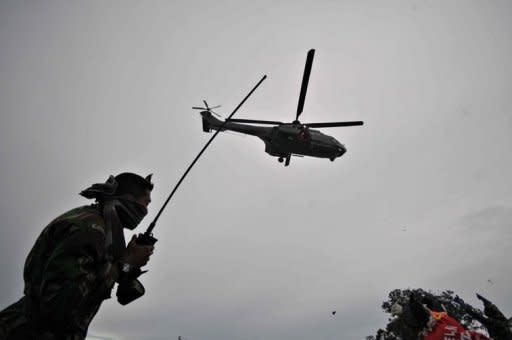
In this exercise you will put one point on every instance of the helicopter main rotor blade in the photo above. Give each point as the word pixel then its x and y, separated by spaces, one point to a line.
pixel 252 121
pixel 334 124
pixel 305 81
pixel 199 108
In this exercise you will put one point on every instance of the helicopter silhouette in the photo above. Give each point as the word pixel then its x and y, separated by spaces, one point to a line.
pixel 285 140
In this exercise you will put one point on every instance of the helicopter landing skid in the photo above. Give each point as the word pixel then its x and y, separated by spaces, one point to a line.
pixel 286 160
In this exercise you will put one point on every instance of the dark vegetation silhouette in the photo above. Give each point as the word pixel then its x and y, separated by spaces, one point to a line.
pixel 491 321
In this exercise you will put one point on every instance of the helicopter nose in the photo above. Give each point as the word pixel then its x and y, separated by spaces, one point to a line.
pixel 341 151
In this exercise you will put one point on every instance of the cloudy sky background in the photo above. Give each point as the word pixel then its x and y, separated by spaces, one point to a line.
pixel 249 249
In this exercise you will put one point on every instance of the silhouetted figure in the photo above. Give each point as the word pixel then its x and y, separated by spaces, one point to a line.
pixel 77 259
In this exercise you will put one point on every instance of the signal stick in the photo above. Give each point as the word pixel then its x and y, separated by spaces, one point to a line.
pixel 147 238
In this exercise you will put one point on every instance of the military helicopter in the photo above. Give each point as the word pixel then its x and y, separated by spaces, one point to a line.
pixel 284 140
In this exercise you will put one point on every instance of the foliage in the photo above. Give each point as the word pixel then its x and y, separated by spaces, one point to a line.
pixel 445 301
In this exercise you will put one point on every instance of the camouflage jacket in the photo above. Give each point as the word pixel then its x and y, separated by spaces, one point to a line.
pixel 67 276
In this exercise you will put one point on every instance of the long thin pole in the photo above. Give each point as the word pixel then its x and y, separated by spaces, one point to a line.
pixel 153 224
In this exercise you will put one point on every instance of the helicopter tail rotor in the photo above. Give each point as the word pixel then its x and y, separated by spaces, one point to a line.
pixel 209 122
pixel 208 108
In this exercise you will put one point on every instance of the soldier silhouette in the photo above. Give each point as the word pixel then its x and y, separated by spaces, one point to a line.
pixel 76 261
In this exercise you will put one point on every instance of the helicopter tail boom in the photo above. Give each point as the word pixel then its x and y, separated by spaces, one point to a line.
pixel 212 123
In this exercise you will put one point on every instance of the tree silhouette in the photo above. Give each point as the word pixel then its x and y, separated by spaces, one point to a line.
pixel 447 301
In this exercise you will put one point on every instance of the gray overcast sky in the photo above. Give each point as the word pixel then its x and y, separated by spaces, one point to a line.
pixel 249 249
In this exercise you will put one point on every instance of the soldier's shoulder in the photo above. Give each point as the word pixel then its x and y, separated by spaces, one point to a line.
pixel 82 218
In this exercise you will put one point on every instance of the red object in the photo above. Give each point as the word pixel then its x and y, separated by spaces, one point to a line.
pixel 447 328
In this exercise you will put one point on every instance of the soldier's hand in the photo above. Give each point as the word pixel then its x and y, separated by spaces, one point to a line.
pixel 137 255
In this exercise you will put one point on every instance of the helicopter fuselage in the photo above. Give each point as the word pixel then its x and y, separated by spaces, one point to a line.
pixel 283 140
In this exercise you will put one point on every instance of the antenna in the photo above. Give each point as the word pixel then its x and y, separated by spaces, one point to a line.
pixel 147 238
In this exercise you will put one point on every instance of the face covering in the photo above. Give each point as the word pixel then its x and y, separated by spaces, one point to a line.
pixel 130 212
pixel 119 212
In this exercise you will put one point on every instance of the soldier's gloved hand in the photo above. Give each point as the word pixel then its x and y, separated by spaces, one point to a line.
pixel 136 255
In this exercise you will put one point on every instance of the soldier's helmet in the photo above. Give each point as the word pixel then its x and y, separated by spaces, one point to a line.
pixel 131 183
pixel 122 184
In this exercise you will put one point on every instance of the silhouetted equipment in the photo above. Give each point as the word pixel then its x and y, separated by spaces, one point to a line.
pixel 484 300
pixel 284 140
pixel 147 238
pixel 497 324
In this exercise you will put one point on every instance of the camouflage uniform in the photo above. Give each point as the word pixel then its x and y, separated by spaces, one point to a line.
pixel 67 276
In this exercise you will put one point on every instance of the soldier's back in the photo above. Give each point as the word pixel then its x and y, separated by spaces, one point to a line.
pixel 61 264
